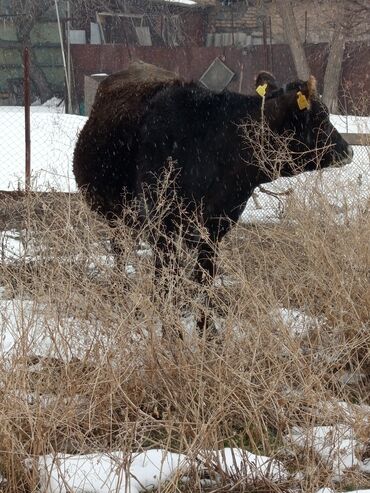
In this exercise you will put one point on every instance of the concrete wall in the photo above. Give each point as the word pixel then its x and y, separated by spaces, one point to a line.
pixel 91 83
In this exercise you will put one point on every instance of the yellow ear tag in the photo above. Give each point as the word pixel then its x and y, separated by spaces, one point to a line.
pixel 302 101
pixel 261 90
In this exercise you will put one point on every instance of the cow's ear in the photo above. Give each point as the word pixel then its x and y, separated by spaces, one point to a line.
pixel 307 92
pixel 312 87
pixel 265 83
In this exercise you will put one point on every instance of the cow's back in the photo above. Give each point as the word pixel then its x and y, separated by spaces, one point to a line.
pixel 200 131
pixel 106 150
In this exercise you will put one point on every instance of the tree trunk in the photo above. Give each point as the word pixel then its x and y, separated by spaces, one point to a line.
pixel 39 80
pixel 334 69
pixel 285 10
pixel 37 75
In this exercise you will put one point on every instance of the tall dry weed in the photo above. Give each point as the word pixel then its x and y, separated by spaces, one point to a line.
pixel 90 371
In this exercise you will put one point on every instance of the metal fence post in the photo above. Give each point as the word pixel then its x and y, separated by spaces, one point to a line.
pixel 27 116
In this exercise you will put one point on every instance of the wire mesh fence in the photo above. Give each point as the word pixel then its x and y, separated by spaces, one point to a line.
pixel 345 188
pixel 54 134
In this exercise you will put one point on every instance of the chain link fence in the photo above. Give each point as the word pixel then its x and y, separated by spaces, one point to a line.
pixel 345 188
pixel 54 134
pixel 53 137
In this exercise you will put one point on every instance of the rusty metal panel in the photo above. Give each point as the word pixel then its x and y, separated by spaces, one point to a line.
pixel 217 76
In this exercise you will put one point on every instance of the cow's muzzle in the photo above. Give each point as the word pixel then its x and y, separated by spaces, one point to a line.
pixel 344 157
pixel 349 156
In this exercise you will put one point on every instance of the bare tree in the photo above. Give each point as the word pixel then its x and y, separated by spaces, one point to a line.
pixel 25 15
pixel 285 9
pixel 348 17
pixel 334 64
pixel 343 21
pixel 167 32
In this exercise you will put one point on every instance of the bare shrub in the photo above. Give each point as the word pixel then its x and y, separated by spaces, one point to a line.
pixel 88 370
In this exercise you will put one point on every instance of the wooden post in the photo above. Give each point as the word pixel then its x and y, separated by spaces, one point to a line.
pixel 27 117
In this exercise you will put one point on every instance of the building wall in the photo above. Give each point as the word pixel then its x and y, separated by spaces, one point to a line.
pixel 190 63
pixel 46 44
pixel 207 31
pixel 315 20
pixel 238 18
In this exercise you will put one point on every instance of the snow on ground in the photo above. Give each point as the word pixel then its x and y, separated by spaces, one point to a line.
pixel 296 321
pixel 39 329
pixel 115 471
pixel 53 137
pixel 345 187
pixel 103 473
pixel 54 134
pixel 335 444
pixel 329 490
pixel 31 328
pixel 350 124
pixel 240 463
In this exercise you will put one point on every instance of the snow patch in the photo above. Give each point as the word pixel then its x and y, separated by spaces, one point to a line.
pixel 240 463
pixel 296 321
pixel 104 473
pixel 53 138
pixel 335 444
pixel 115 471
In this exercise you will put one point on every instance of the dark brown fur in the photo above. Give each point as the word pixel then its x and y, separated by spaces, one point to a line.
pixel 108 142
pixel 137 124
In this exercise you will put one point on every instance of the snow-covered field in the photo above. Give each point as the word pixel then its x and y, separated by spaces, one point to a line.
pixel 53 137
pixel 54 134
pixel 346 187
pixel 37 329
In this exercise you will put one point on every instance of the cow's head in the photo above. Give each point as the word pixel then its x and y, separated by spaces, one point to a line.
pixel 297 111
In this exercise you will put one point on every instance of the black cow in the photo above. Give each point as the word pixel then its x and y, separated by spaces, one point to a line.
pixel 134 132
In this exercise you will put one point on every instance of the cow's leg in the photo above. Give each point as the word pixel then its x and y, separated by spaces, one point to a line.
pixel 207 250
pixel 165 259
pixel 118 246
pixel 117 220
pixel 205 269
pixel 163 254
pixel 117 250
pixel 205 272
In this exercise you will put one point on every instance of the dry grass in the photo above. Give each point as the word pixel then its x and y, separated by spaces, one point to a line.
pixel 108 380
